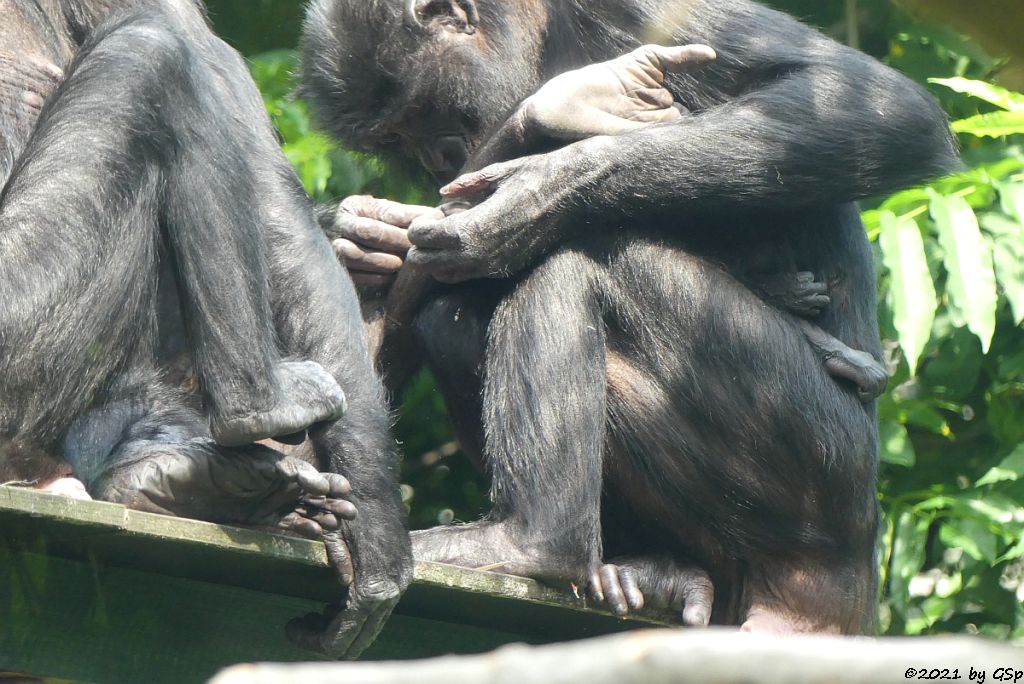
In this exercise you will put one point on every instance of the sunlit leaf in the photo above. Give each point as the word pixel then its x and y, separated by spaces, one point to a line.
pixel 1010 469
pixel 973 536
pixel 994 125
pixel 1000 97
pixel 896 446
pixel 911 292
pixel 1016 551
pixel 968 259
pixel 908 548
pixel 1011 196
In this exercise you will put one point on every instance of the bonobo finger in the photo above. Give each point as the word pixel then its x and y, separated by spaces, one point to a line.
pixel 301 525
pixel 434 235
pixel 682 57
pixel 372 281
pixel 657 98
pixel 341 508
pixel 387 211
pixel 698 597
pixel 372 234
pixel 305 631
pixel 371 262
pixel 479 182
pixel 371 629
pixel 594 588
pixel 630 589
pixel 340 557
pixel 613 594
pixel 340 486
pixel 327 521
pixel 47 68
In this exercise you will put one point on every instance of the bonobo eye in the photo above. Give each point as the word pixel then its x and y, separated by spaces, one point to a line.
pixel 460 16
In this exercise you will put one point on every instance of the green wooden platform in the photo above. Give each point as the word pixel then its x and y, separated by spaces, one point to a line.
pixel 95 592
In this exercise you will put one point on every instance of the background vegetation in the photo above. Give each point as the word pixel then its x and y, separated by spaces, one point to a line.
pixel 951 303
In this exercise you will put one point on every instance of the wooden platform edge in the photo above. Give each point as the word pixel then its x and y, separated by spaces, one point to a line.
pixel 98 516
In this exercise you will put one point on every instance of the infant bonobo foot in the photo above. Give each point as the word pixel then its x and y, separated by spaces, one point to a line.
pixel 629 584
pixel 308 395
pixel 861 369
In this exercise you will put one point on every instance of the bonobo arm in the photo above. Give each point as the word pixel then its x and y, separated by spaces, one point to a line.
pixel 784 118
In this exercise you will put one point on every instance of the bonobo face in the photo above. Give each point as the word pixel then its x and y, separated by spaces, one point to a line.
pixel 423 79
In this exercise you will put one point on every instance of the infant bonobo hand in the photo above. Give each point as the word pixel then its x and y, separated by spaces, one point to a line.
pixel 612 97
pixel 369 237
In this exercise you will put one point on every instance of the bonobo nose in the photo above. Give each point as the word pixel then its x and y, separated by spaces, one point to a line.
pixel 446 156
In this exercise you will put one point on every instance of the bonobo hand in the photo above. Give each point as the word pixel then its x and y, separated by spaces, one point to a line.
pixel 611 97
pixel 382 568
pixel 520 219
pixel 369 237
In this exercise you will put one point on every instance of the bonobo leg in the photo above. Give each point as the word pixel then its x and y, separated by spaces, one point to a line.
pixel 801 295
pixel 145 448
pixel 544 421
pixel 78 254
pixel 733 441
pixel 452 329
pixel 632 583
pixel 212 221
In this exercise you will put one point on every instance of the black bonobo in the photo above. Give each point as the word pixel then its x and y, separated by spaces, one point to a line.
pixel 654 424
pixel 151 230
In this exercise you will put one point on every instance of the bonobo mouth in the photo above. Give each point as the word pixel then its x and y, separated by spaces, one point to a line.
pixel 446 157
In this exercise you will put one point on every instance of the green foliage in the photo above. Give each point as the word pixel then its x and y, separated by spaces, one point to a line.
pixel 951 304
pixel 952 436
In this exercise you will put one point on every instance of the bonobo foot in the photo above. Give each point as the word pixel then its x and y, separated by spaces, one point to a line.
pixel 496 547
pixel 860 368
pixel 308 395
pixel 253 485
pixel 629 584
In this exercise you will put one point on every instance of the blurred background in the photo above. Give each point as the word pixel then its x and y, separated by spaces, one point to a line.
pixel 950 260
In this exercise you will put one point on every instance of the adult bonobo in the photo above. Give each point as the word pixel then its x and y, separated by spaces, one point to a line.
pixel 631 396
pixel 148 216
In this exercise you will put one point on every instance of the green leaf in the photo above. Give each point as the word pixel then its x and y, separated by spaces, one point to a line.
pixel 994 125
pixel 1000 97
pixel 1010 469
pixel 908 547
pixel 972 536
pixel 896 446
pixel 912 293
pixel 968 259
pixel 1016 551
pixel 1011 196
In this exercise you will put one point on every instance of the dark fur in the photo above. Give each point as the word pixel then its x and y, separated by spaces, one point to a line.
pixel 629 361
pixel 153 173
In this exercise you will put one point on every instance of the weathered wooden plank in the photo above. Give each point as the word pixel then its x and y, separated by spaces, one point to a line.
pixel 95 592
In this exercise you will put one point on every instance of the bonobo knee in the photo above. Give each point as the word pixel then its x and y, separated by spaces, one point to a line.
pixel 146 42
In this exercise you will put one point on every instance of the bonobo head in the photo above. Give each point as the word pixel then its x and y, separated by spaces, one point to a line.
pixel 420 78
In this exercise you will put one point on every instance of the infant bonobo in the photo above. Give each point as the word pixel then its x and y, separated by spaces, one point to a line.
pixel 621 95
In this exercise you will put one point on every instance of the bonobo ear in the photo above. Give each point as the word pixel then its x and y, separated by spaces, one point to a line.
pixel 460 16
